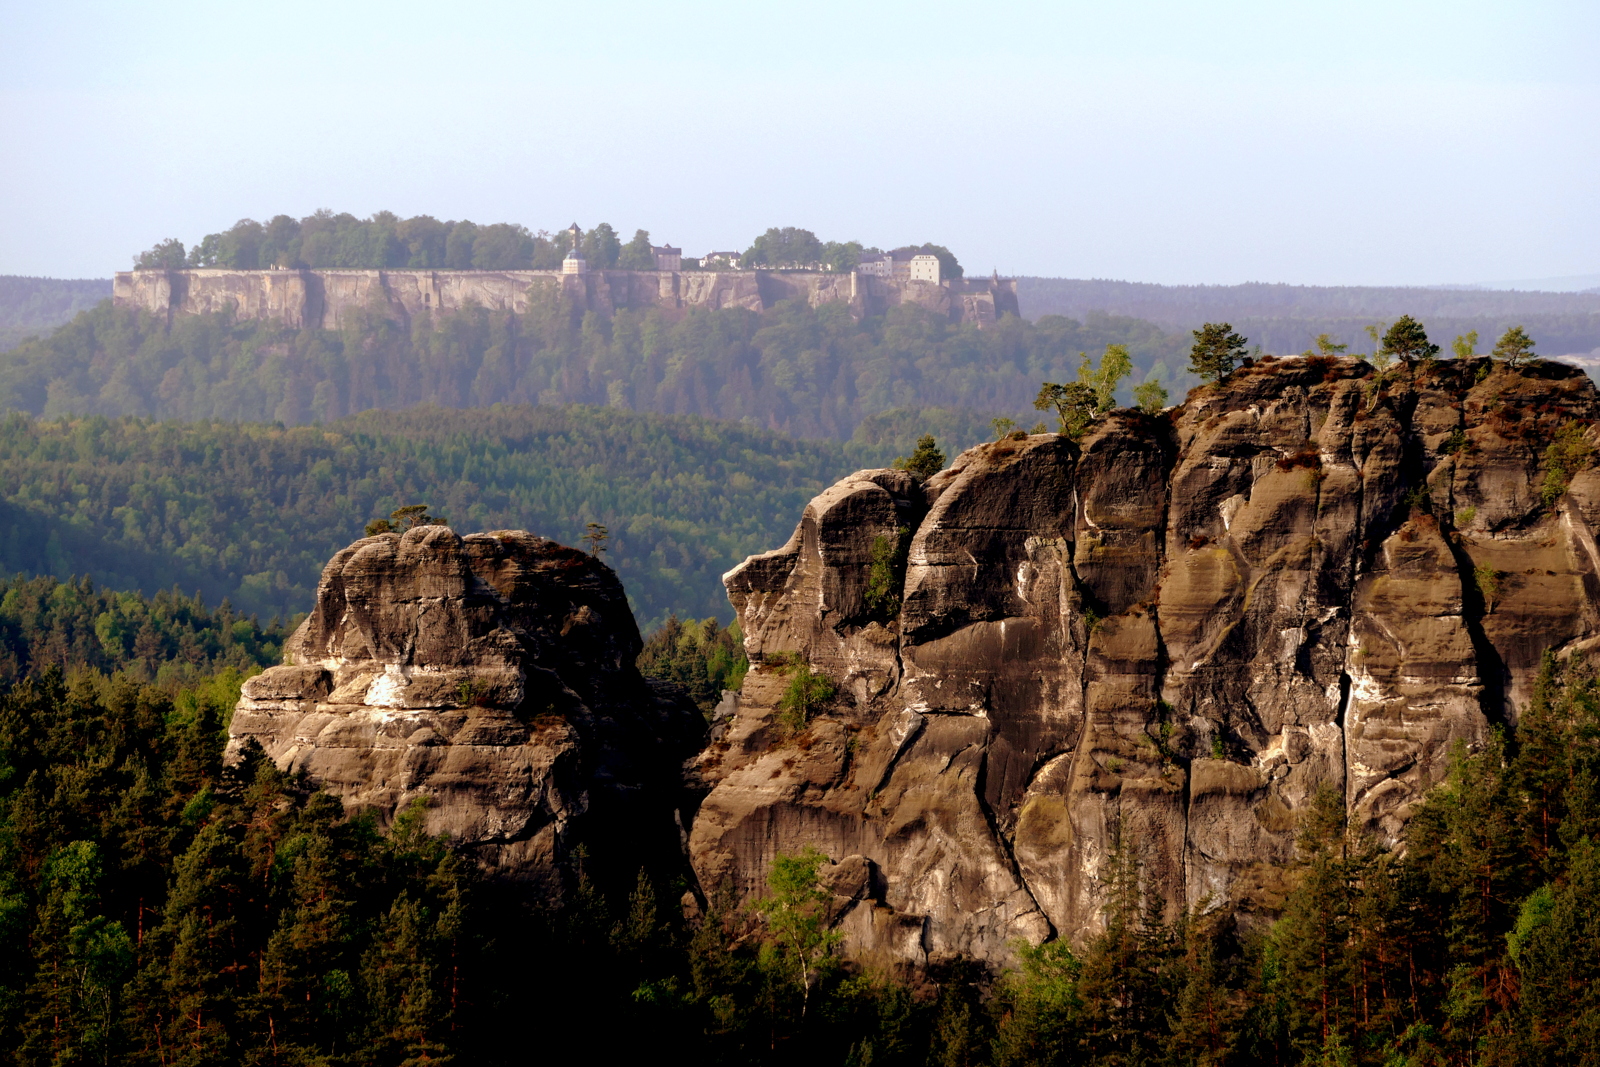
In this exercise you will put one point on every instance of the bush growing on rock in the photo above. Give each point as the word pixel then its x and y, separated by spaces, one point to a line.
pixel 806 692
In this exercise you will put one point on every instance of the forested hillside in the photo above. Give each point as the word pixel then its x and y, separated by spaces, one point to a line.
pixel 1285 318
pixel 33 306
pixel 169 639
pixel 160 908
pixel 252 511
pixel 807 372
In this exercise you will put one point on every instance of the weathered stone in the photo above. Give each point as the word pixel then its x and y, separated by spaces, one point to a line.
pixel 332 299
pixel 491 677
pixel 1159 643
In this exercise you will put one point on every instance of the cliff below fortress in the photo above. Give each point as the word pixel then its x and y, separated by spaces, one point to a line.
pixel 327 299
pixel 1155 644
pixel 1159 643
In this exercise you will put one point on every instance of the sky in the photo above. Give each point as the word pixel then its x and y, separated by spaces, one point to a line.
pixel 1304 141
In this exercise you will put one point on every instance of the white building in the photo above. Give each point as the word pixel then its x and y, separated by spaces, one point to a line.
pixel 877 264
pixel 720 259
pixel 904 264
pixel 923 268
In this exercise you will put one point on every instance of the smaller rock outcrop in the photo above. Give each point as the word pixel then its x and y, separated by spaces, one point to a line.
pixel 491 676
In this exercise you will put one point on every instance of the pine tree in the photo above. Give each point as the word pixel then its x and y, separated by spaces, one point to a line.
pixel 1514 346
pixel 1215 351
pixel 1408 341
pixel 925 461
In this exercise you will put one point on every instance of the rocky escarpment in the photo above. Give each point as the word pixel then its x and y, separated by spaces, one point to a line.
pixel 333 299
pixel 492 677
pixel 1158 642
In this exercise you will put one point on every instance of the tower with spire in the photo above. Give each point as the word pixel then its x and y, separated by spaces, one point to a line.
pixel 574 263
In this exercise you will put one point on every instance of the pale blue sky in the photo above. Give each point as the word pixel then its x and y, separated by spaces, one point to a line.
pixel 1314 142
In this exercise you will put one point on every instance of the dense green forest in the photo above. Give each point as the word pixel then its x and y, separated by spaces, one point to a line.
pixel 160 908
pixel 385 240
pixel 808 372
pixel 701 656
pixel 169 639
pixel 1286 318
pixel 252 512
pixel 326 239
pixel 33 306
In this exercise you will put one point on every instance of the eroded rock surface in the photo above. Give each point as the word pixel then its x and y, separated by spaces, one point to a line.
pixel 493 677
pixel 1163 639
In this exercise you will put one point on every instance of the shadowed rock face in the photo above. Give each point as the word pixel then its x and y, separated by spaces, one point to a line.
pixel 1164 638
pixel 491 676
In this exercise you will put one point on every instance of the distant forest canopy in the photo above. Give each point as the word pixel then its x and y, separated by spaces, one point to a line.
pixel 794 248
pixel 1286 318
pixel 803 371
pixel 33 306
pixel 252 512
pixel 170 639
pixel 385 240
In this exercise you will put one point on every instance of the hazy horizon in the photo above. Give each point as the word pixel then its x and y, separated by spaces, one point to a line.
pixel 1327 143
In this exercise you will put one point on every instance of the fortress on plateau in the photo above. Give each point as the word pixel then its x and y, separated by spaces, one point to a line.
pixel 326 298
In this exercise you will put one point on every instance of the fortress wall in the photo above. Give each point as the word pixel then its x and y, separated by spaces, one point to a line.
pixel 327 299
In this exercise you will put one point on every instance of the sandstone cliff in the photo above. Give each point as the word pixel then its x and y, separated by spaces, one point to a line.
pixel 329 299
pixel 1159 641
pixel 491 676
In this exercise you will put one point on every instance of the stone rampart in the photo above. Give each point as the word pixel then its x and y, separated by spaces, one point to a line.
pixel 327 298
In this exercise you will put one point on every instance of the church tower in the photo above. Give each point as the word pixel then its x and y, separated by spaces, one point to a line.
pixel 574 263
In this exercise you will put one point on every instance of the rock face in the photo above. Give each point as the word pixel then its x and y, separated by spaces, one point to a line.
pixel 1158 642
pixel 493 677
pixel 329 299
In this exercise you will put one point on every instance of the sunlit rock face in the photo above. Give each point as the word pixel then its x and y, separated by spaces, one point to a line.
pixel 1159 643
pixel 492 677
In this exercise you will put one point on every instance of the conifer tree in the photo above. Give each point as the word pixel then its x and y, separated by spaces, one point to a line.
pixel 925 461
pixel 1215 351
pixel 1514 346
pixel 1408 342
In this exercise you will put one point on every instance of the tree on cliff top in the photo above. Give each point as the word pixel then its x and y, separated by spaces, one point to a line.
pixel 925 461
pixel 406 518
pixel 168 255
pixel 1079 403
pixel 1514 346
pixel 638 254
pixel 601 247
pixel 1073 403
pixel 1408 341
pixel 789 246
pixel 1216 349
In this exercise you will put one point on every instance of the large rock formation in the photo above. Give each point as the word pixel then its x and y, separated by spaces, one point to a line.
pixel 1158 642
pixel 491 676
pixel 330 299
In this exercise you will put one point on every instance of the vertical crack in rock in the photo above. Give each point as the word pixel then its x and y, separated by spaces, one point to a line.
pixel 1282 570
